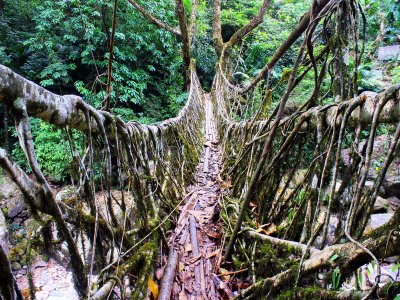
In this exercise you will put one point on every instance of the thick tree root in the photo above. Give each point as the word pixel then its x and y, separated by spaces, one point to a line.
pixel 383 242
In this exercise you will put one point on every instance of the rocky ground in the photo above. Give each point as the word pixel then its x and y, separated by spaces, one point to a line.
pixel 51 278
pixel 52 281
pixel 388 199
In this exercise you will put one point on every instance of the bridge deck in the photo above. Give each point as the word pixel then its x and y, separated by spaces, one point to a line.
pixel 197 237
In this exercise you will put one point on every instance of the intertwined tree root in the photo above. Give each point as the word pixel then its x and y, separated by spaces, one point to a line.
pixel 158 160
pixel 264 150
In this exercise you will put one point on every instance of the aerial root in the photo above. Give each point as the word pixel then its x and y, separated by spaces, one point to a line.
pixel 382 242
pixel 152 163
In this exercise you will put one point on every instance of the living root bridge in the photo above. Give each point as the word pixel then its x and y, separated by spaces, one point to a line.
pixel 159 161
pixel 318 120
pixel 309 142
pixel 286 165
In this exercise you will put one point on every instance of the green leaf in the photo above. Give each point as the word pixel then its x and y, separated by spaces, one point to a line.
pixel 334 257
pixel 373 265
pixel 395 267
pixel 336 275
pixel 47 82
pixel 188 6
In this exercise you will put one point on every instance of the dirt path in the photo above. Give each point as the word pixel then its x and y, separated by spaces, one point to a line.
pixel 196 239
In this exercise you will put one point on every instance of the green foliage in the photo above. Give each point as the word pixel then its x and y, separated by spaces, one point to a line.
pixel 370 268
pixel 282 18
pixel 64 46
pixel 202 50
pixel 326 199
pixel 4 58
pixel 395 75
pixel 188 6
pixel 290 215
pixel 389 10
pixel 334 257
pixel 66 49
pixel 52 151
pixel 396 267
pixel 238 13
pixel 369 78
pixel 299 197
pixel 336 276
pixel 359 279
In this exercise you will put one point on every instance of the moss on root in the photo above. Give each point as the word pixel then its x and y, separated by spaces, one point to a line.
pixel 142 263
pixel 310 293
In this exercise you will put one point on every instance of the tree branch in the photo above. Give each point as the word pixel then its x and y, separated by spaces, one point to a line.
pixel 294 35
pixel 68 110
pixel 279 242
pixel 185 36
pixel 246 29
pixel 217 31
pixel 153 19
pixel 8 286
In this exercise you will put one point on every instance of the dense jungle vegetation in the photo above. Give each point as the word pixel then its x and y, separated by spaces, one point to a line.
pixel 64 46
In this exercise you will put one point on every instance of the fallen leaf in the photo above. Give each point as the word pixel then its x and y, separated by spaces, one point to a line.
pixel 194 259
pixel 242 285
pixel 159 274
pixel 176 289
pixel 223 185
pixel 182 295
pixel 181 267
pixel 226 184
pixel 188 247
pixel 230 182
pixel 153 287
pixel 219 178
pixel 224 274
pixel 267 229
pixel 216 252
pixel 26 293
pixel 215 235
pixel 223 271
pixel 187 282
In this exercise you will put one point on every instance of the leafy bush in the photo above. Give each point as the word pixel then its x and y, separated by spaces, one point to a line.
pixel 51 149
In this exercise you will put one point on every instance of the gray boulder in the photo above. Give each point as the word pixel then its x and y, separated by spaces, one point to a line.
pixel 4 243
pixel 12 198
pixel 389 52
pixel 376 221
pixel 381 205
pixel 392 186
pixel 394 203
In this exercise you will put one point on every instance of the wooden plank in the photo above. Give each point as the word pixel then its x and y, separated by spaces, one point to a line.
pixel 169 276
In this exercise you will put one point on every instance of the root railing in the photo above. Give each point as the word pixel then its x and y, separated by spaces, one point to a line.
pixel 299 185
pixel 151 165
